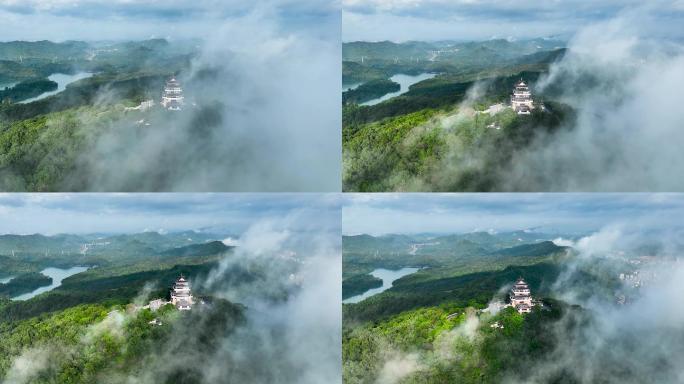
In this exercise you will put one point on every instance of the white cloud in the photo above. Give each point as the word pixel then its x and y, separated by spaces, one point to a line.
pixel 403 20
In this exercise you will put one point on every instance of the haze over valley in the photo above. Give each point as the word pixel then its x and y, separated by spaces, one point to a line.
pixel 600 94
pixel 580 292
pixel 170 288
pixel 85 111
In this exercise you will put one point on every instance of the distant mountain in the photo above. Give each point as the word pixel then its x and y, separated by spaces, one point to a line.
pixel 462 244
pixel 38 243
pixel 497 49
pixel 68 249
pixel 23 60
pixel 27 50
pixel 206 249
pixel 370 244
pixel 536 249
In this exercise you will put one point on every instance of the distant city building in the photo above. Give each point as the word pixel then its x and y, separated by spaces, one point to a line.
pixel 180 294
pixel 521 100
pixel 172 97
pixel 521 298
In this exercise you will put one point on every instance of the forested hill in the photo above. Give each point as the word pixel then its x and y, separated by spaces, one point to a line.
pixel 455 267
pixel 440 134
pixel 438 323
pixel 363 61
pixel 93 325
pixel 31 253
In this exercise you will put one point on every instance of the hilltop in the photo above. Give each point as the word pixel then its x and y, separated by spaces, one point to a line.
pixel 451 131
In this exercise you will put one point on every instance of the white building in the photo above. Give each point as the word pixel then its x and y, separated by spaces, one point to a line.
pixel 156 304
pixel 521 100
pixel 521 299
pixel 181 296
pixel 172 97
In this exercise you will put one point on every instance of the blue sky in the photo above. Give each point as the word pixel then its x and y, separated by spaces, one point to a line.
pixel 401 20
pixel 557 213
pixel 140 19
pixel 138 212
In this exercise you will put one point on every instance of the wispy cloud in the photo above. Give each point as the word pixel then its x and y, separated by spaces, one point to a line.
pixel 128 19
pixel 481 19
pixel 442 213
pixel 111 213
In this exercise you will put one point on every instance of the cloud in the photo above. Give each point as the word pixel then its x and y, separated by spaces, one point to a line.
pixel 606 342
pixel 397 368
pixel 474 20
pixel 293 328
pixel 28 366
pixel 125 19
pixel 559 213
pixel 621 77
pixel 137 212
pixel 289 330
pixel 259 116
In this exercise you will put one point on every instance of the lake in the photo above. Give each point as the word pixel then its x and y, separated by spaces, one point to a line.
pixel 57 274
pixel 62 81
pixel 405 81
pixel 388 277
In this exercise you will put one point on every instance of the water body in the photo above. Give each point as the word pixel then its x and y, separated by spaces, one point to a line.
pixel 57 274
pixel 388 277
pixel 62 81
pixel 405 81
pixel 6 280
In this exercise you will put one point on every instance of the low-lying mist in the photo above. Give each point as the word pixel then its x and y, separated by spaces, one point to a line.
pixel 633 336
pixel 612 124
pixel 281 322
pixel 611 315
pixel 622 79
pixel 259 116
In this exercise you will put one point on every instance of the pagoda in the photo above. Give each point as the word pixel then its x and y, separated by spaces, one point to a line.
pixel 521 100
pixel 172 97
pixel 520 296
pixel 180 294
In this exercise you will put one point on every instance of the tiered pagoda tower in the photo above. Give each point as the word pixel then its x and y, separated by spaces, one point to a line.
pixel 521 298
pixel 521 100
pixel 181 296
pixel 172 97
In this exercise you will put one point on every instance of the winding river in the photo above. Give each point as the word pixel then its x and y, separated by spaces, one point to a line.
pixel 405 81
pixel 57 274
pixel 388 277
pixel 62 81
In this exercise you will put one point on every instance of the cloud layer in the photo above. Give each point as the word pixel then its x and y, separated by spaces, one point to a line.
pixel 444 213
pixel 115 213
pixel 482 19
pixel 292 313
pixel 125 19
pixel 622 77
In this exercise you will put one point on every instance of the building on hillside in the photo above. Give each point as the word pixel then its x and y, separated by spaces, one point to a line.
pixel 520 296
pixel 181 296
pixel 521 100
pixel 156 304
pixel 172 97
pixel 155 321
pixel 143 106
